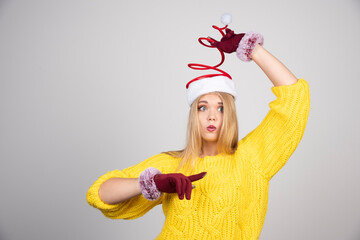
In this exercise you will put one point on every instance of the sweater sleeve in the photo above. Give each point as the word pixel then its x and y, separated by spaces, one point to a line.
pixel 271 144
pixel 136 206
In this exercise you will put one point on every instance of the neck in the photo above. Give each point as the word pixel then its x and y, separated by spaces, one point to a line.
pixel 209 149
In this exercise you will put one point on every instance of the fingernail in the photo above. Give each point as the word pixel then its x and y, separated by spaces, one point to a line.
pixel 193 186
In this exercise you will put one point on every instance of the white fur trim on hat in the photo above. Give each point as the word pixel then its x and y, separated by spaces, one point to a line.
pixel 208 85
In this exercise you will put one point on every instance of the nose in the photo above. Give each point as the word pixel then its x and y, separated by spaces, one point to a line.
pixel 211 116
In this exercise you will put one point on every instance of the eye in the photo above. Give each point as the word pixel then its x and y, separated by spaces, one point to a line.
pixel 221 109
pixel 202 108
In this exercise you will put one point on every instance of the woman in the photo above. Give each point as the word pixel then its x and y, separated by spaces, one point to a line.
pixel 231 201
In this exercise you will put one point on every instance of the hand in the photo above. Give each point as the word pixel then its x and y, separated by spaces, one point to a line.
pixel 177 183
pixel 228 43
pixel 243 44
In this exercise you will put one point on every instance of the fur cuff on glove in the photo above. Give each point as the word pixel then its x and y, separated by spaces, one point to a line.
pixel 147 184
pixel 247 44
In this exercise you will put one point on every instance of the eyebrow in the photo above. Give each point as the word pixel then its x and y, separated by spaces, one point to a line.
pixel 203 101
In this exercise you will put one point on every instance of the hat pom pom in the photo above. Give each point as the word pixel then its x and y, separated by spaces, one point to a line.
pixel 226 18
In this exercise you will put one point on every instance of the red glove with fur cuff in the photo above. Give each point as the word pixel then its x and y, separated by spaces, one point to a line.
pixel 243 44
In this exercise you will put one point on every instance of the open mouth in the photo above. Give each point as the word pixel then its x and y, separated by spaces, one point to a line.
pixel 211 128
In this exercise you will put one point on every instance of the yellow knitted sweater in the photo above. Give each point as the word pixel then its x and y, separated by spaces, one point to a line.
pixel 230 202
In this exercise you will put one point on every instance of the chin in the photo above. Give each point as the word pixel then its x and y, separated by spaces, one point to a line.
pixel 210 139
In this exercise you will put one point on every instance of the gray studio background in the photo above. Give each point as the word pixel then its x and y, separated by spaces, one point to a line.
pixel 91 86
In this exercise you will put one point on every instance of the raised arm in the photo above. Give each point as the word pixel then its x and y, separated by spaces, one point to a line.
pixel 269 146
pixel 277 72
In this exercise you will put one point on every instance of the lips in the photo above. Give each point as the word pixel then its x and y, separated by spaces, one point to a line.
pixel 211 128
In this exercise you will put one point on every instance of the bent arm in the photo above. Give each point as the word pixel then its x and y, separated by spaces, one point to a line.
pixel 132 208
pixel 116 190
pixel 269 146
pixel 277 72
pixel 117 193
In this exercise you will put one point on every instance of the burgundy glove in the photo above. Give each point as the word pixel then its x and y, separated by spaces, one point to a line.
pixel 228 43
pixel 243 44
pixel 177 183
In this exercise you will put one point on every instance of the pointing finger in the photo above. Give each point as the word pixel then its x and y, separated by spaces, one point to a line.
pixel 197 176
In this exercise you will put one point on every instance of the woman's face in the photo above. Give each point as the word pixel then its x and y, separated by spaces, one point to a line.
pixel 210 113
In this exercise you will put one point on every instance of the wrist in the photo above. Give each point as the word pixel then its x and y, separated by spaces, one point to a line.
pixel 256 51
pixel 247 45
pixel 147 184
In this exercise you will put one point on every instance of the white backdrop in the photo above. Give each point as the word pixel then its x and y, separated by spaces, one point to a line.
pixel 91 86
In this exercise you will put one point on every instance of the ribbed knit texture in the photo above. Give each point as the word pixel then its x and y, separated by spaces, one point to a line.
pixel 230 202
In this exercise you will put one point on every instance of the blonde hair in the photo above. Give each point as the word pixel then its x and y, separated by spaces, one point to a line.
pixel 228 138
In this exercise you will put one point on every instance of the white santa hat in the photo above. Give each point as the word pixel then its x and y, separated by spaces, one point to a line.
pixel 210 84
